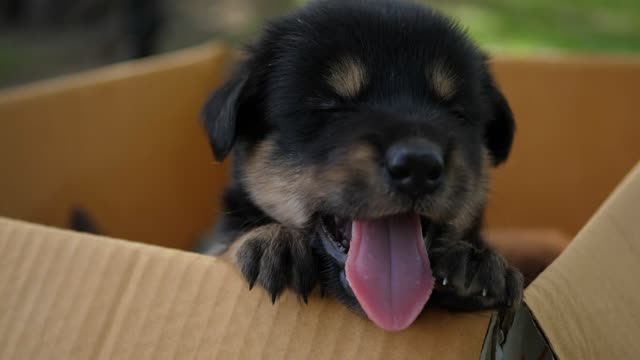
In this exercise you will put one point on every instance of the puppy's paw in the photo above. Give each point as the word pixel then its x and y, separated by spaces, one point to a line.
pixel 277 258
pixel 473 279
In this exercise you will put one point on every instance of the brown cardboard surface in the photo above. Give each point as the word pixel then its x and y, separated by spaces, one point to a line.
pixel 530 250
pixel 577 136
pixel 124 142
pixel 588 301
pixel 65 295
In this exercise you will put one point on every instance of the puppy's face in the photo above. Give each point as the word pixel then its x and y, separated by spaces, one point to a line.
pixel 347 112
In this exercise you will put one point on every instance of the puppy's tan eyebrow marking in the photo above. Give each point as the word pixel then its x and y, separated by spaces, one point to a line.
pixel 348 76
pixel 442 80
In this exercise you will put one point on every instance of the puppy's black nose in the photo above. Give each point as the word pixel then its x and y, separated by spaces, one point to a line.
pixel 415 167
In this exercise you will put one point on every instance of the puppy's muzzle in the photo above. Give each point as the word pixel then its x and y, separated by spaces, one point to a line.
pixel 415 167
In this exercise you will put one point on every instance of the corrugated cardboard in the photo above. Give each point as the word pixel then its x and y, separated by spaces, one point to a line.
pixel 65 295
pixel 586 304
pixel 123 142
pixel 588 301
pixel 72 296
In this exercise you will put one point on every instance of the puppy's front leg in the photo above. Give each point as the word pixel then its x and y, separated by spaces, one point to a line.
pixel 276 257
pixel 473 276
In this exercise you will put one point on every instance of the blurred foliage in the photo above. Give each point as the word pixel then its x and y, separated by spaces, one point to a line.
pixel 570 26
pixel 6 61
pixel 534 26
pixel 511 26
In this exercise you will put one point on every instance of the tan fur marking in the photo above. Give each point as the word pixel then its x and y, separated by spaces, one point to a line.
pixel 281 189
pixel 375 198
pixel 358 161
pixel 478 187
pixel 441 206
pixel 442 81
pixel 347 77
pixel 292 193
pixel 460 213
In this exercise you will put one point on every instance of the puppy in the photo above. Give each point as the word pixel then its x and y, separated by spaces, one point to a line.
pixel 362 134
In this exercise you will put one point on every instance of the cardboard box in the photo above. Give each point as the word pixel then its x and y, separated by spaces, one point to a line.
pixel 124 143
pixel 71 296
pixel 585 305
pixel 65 295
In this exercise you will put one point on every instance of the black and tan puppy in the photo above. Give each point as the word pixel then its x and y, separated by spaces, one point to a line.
pixel 362 135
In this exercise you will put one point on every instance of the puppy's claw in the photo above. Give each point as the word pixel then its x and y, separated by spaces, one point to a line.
pixel 277 263
pixel 477 279
pixel 305 298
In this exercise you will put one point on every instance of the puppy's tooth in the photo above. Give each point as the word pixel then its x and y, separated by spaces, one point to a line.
pixel 484 292
pixel 445 281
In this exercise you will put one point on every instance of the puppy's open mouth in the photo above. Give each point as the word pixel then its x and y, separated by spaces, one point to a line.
pixel 336 236
pixel 386 265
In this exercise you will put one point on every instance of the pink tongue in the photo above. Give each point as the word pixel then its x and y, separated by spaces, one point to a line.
pixel 389 270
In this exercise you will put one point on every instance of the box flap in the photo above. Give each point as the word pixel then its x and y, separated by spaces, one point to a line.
pixel 588 301
pixel 123 142
pixel 65 295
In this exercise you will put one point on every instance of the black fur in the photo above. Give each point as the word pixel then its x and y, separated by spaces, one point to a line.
pixel 292 133
pixel 277 263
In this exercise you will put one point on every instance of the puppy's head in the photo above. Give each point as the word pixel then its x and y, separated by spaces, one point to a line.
pixel 358 112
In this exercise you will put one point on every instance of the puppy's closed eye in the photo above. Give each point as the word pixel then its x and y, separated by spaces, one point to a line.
pixel 316 103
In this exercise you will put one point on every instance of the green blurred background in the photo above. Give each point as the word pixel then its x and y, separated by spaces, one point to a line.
pixel 45 38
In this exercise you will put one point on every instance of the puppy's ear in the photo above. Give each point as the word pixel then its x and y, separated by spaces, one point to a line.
pixel 501 126
pixel 221 114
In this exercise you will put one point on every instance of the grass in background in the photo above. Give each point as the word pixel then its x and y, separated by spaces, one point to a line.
pixel 565 26
pixel 5 62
